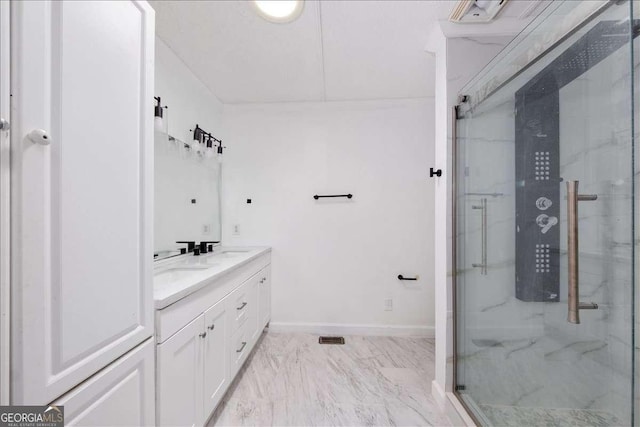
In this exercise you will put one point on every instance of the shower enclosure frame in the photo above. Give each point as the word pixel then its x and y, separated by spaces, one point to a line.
pixel 454 112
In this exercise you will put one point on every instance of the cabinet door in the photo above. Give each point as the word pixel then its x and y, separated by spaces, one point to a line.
pixel 216 349
pixel 252 314
pixel 82 219
pixel 264 298
pixel 179 397
pixel 122 394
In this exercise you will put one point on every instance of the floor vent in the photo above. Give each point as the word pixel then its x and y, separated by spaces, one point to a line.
pixel 331 340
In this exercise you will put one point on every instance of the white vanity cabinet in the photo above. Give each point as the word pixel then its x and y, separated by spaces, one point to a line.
pixel 82 193
pixel 192 369
pixel 204 338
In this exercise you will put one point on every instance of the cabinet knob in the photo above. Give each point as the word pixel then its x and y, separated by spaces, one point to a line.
pixel 211 327
pixel 39 136
pixel 202 335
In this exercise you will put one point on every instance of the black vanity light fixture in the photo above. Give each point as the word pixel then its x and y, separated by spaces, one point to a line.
pixel 158 121
pixel 203 142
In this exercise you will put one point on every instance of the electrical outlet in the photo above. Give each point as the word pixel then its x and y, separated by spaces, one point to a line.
pixel 206 229
pixel 388 305
pixel 236 230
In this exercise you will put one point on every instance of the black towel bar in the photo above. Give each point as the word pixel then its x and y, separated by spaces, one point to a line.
pixel 348 196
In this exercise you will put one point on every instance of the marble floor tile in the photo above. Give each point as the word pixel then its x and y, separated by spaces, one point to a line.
pixel 526 416
pixel 291 380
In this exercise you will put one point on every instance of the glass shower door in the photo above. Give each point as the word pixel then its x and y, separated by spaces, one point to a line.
pixel 545 242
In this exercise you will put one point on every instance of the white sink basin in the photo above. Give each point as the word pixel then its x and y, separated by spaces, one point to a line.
pixel 179 272
pixel 188 267
pixel 230 254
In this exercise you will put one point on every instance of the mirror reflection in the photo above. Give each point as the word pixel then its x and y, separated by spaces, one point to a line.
pixel 187 194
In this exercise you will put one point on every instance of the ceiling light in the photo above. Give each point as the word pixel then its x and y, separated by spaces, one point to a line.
pixel 279 11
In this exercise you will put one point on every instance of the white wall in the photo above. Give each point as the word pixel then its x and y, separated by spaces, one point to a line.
pixel 179 178
pixel 336 261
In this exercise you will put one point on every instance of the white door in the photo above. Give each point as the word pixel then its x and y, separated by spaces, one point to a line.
pixel 122 394
pixel 179 381
pixel 215 356
pixel 264 298
pixel 82 219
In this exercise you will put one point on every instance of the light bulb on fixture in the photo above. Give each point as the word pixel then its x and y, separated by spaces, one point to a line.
pixel 158 123
pixel 219 154
pixel 209 151
pixel 195 143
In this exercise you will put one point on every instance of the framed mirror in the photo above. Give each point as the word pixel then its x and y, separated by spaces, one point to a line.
pixel 187 194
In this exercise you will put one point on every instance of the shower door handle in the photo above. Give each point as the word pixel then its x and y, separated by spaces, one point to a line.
pixel 573 299
pixel 483 236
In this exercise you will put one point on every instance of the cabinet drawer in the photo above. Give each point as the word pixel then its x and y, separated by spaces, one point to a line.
pixel 240 348
pixel 239 305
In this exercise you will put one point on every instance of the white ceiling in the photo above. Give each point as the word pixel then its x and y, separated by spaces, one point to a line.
pixel 336 50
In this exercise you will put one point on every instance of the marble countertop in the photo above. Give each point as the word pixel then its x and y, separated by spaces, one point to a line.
pixel 174 279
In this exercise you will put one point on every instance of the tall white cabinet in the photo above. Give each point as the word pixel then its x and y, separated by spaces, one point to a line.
pixel 82 219
pixel 5 202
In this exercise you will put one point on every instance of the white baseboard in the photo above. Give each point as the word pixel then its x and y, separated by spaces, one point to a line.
pixel 346 329
pixel 438 394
